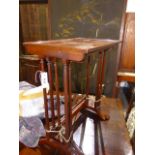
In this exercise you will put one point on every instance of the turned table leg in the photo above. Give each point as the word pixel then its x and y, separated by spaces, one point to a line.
pixel 68 106
pixel 92 111
pixel 99 84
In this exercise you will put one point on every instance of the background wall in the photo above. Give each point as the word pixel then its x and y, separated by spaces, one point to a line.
pixel 93 19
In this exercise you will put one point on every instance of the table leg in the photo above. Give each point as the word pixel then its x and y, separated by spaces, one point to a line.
pixel 68 106
pixel 45 99
pixel 99 84
pixel 50 78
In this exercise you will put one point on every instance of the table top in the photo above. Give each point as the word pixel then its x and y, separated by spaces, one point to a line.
pixel 69 49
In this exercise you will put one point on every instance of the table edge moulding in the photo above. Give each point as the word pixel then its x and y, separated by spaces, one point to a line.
pixel 73 49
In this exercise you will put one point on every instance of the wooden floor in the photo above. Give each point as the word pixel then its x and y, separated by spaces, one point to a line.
pixel 99 137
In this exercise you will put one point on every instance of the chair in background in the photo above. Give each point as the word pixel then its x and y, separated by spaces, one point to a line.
pixel 126 55
pixel 126 63
pixel 126 72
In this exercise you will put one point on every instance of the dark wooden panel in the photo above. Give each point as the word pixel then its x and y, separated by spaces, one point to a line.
pixel 126 52
pixel 127 58
pixel 34 21
pixel 27 69
pixel 21 48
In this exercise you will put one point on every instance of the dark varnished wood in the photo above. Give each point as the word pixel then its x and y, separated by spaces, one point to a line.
pixel 126 63
pixel 122 29
pixel 67 98
pixel 127 58
pixel 69 85
pixel 75 49
pixel 45 98
pixel 99 84
pixel 28 65
pixel 21 47
pixel 57 90
pixel 102 73
pixel 63 149
pixel 50 77
pixel 34 21
pixel 98 81
pixel 87 78
pixel 70 49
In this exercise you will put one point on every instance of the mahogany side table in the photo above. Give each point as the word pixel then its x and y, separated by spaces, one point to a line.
pixel 67 51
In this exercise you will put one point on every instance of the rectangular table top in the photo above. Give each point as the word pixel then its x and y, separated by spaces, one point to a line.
pixel 69 49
